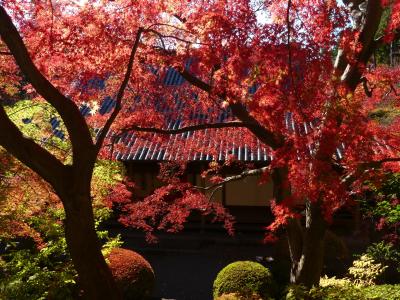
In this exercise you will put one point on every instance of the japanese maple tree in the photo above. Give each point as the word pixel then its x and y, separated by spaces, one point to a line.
pixel 308 62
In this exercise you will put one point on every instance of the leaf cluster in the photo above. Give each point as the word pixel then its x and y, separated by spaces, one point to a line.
pixel 365 270
pixel 382 204
pixel 344 292
pixel 47 272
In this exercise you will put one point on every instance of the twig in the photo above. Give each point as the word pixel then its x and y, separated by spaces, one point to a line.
pixel 120 94
pixel 365 167
pixel 162 36
pixel 242 175
pixel 288 40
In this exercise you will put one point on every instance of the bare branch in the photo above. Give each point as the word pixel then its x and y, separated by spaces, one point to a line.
pixel 214 191
pixel 378 163
pixel 120 94
pixel 365 167
pixel 340 62
pixel 169 25
pixel 198 127
pixel 393 89
pixel 162 36
pixel 367 91
pixel 242 175
pixel 23 108
pixel 52 23
pixel 380 40
pixel 288 40
pixel 263 134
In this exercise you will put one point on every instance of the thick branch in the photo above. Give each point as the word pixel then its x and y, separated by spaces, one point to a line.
pixel 367 91
pixel 240 112
pixel 28 152
pixel 75 123
pixel 352 74
pixel 197 82
pixel 263 134
pixel 235 124
pixel 120 94
pixel 340 62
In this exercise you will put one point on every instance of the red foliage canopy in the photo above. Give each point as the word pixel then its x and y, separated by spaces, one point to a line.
pixel 285 49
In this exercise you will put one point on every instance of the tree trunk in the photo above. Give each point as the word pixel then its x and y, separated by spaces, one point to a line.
pixel 307 252
pixel 95 277
pixel 306 245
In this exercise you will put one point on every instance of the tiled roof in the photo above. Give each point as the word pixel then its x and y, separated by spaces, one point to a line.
pixel 207 145
pixel 156 147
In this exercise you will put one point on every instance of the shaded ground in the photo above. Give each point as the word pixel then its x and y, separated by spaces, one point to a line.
pixel 186 276
pixel 187 263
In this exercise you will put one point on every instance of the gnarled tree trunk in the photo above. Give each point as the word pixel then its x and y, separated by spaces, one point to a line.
pixel 306 247
pixel 95 277
pixel 306 244
pixel 71 183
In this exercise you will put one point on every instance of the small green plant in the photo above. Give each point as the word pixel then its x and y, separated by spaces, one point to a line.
pixel 386 254
pixel 333 281
pixel 244 278
pixel 365 270
pixel 343 291
pixel 43 271
pixel 39 273
pixel 294 292
pixel 385 207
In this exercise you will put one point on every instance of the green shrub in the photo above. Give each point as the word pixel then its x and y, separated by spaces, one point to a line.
pixel 384 292
pixel 294 292
pixel 329 281
pixel 233 296
pixel 244 278
pixel 388 255
pixel 132 273
pixel 34 259
pixel 365 270
pixel 344 291
pixel 46 272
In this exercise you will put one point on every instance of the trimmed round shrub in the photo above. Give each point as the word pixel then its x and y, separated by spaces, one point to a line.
pixel 132 273
pixel 244 278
